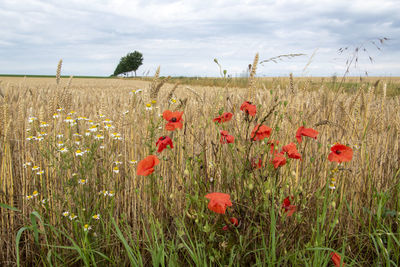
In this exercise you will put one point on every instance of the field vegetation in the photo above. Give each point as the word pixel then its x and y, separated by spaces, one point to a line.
pixel 229 183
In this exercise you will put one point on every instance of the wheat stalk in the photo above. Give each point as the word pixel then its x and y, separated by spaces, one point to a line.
pixel 58 74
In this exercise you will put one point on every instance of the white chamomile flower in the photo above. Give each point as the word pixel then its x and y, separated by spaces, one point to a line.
pixel 104 193
pixel 133 161
pixel 108 126
pixel 69 120
pixel 111 193
pixel 59 135
pixel 35 168
pixel 40 172
pixel 60 109
pixel 126 112
pixel 31 137
pixel 56 116
pixel 87 133
pixel 117 162
pixel 106 121
pixel 44 201
pixel 93 128
pixel 332 186
pixel 148 106
pixel 80 118
pixel 43 124
pixel 102 115
pixel 72 217
pixel 116 169
pixel 60 143
pixel 87 227
pixel 42 134
pixel 35 193
pixel 172 101
pixel 26 164
pixel 77 135
pixel 29 197
pixel 39 138
pixel 96 216
pixel 63 150
pixel 99 137
pixel 65 213
pixel 79 153
pixel 82 181
pixel 31 119
pixel 72 112
pixel 138 91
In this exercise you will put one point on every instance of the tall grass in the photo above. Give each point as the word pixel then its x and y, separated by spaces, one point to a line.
pixel 162 219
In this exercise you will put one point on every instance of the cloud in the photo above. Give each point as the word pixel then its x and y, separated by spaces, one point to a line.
pixel 185 36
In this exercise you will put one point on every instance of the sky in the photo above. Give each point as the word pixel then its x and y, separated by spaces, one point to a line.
pixel 184 37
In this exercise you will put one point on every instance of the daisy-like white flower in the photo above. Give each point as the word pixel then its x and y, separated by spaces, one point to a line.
pixel 59 135
pixel 87 227
pixel 65 213
pixel 35 168
pixel 31 119
pixel 72 112
pixel 86 150
pixel 99 137
pixel 87 133
pixel 133 161
pixel 91 122
pixel 117 162
pixel 148 106
pixel 43 124
pixel 29 197
pixel 44 201
pixel 26 164
pixel 332 184
pixel 79 153
pixel 40 172
pixel 80 118
pixel 72 217
pixel 104 193
pixel 93 128
pixel 63 150
pixel 56 116
pixel 138 91
pixel 107 121
pixel 69 120
pixel 96 216
pixel 111 193
pixel 115 169
pixel 172 101
pixel 42 134
pixel 82 181
pixel 102 115
pixel 126 112
pixel 39 138
pixel 108 126
pixel 60 143
pixel 77 135
pixel 35 193
pixel 116 136
pixel 60 109
pixel 31 137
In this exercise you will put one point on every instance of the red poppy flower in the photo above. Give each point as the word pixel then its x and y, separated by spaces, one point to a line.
pixel 310 132
pixel 272 144
pixel 227 116
pixel 248 108
pixel 174 120
pixel 336 259
pixel 256 165
pixel 226 138
pixel 260 132
pixel 163 142
pixel 278 160
pixel 289 209
pixel 234 221
pixel 291 151
pixel 146 165
pixel 219 202
pixel 340 153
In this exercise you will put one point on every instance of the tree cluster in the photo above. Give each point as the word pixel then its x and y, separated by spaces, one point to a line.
pixel 130 62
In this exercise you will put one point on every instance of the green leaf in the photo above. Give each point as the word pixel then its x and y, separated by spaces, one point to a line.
pixel 2 205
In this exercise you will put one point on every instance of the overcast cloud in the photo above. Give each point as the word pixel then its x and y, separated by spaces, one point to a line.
pixel 184 37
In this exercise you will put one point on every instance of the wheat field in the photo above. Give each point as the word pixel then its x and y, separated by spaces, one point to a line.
pixel 71 196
